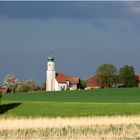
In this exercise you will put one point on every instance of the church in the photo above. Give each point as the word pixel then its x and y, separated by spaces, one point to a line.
pixel 59 81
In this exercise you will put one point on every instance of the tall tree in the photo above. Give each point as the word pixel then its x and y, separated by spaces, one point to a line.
pixel 10 81
pixel 127 76
pixel 106 75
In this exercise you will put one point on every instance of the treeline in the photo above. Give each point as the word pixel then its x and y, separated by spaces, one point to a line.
pixel 16 85
pixel 108 76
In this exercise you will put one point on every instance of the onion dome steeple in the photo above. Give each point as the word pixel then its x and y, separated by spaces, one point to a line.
pixel 50 56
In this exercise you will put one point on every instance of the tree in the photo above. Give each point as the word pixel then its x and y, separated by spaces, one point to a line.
pixel 43 87
pixel 127 76
pixel 10 82
pixel 82 84
pixel 20 85
pixel 106 75
pixel 26 85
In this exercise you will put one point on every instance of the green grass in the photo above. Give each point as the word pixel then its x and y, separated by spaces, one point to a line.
pixel 73 103
pixel 127 95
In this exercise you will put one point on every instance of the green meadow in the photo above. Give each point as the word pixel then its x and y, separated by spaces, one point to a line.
pixel 97 102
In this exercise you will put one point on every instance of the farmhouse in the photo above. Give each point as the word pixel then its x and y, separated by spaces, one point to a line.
pixel 138 79
pixel 59 81
pixel 4 89
pixel 92 83
pixel 74 82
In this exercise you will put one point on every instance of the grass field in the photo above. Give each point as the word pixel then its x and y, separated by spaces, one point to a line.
pixel 91 114
pixel 99 102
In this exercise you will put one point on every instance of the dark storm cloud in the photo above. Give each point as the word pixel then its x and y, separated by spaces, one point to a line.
pixel 99 24
pixel 83 35
pixel 69 9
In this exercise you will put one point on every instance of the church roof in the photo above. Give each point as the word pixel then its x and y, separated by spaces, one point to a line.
pixel 61 78
pixel 74 80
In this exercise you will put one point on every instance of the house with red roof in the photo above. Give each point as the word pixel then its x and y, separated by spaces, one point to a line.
pixel 59 81
pixel 92 83
pixel 138 79
pixel 74 82
pixel 4 89
pixel 64 82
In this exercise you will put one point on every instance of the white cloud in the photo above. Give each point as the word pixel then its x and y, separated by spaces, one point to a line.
pixel 136 9
pixel 133 6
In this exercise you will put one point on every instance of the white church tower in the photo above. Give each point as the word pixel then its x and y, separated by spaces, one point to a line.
pixel 50 78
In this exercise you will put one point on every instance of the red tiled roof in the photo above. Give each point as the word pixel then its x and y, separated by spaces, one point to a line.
pixel 138 77
pixel 4 89
pixel 61 77
pixel 92 82
pixel 74 80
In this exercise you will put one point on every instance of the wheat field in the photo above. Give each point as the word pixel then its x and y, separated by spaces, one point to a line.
pixel 92 114
pixel 71 128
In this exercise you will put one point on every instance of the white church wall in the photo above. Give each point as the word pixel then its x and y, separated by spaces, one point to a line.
pixel 73 87
pixel 56 86
pixel 62 86
pixel 50 81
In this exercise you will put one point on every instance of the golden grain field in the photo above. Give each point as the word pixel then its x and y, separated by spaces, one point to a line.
pixel 113 127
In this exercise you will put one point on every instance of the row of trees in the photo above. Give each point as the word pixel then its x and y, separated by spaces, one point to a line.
pixel 109 76
pixel 16 85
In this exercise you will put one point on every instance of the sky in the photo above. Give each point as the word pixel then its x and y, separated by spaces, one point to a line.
pixel 82 35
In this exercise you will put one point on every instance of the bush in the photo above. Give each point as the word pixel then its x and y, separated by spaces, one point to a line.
pixel 27 85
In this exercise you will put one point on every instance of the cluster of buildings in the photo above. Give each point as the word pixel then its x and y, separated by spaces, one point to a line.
pixel 59 81
pixel 93 84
